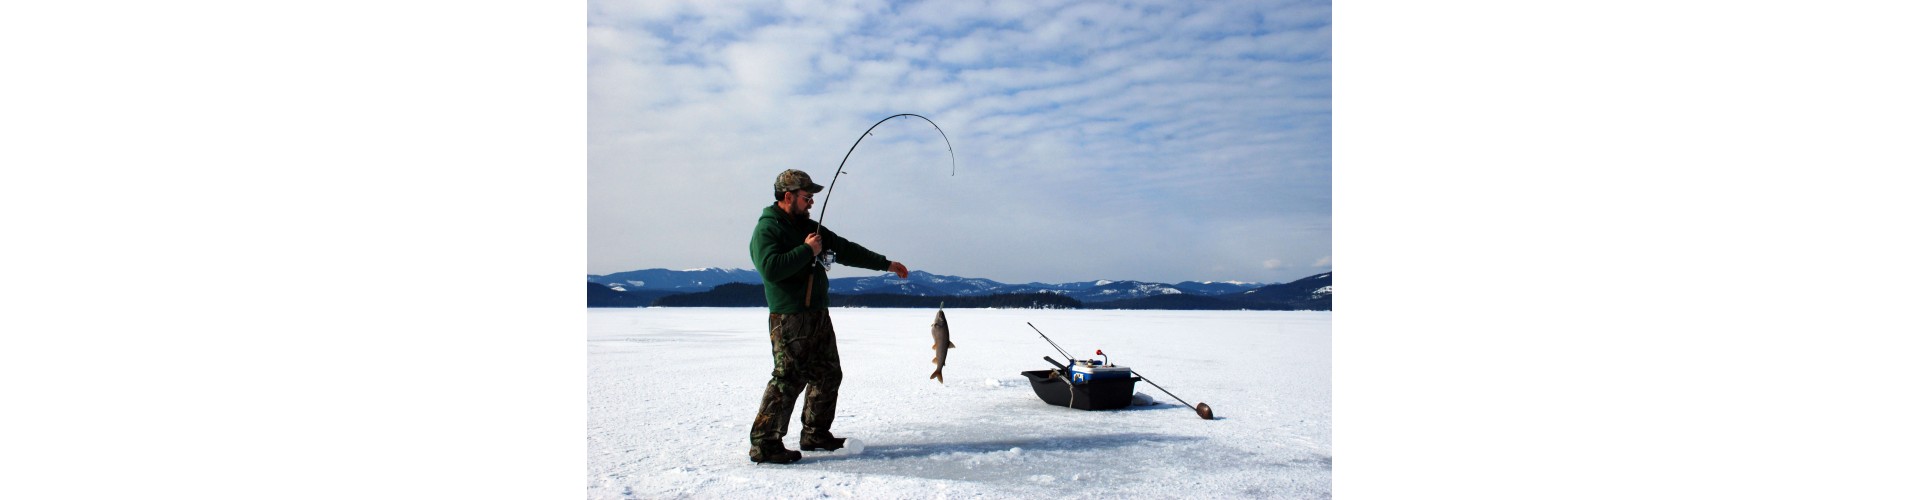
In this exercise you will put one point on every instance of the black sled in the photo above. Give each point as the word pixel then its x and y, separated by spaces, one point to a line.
pixel 1091 384
pixel 1109 389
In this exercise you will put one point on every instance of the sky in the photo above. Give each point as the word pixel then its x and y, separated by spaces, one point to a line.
pixel 1153 141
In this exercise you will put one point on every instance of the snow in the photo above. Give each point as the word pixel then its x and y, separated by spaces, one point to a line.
pixel 671 393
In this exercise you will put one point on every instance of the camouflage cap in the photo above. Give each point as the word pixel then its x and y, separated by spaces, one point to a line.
pixel 793 180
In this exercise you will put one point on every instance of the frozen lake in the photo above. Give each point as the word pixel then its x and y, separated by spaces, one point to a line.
pixel 671 393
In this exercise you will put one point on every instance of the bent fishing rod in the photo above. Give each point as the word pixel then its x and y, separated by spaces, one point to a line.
pixel 953 167
pixel 954 164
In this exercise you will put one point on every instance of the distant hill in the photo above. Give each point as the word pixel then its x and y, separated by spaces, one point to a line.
pixel 1177 302
pixel 727 295
pixel 599 295
pixel 917 283
pixel 1212 288
pixel 1313 293
pixel 715 287
pixel 1004 301
pixel 1309 293
pixel 754 295
pixel 878 285
pixel 691 280
pixel 1122 290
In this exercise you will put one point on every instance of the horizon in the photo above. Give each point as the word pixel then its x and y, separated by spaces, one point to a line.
pixel 886 274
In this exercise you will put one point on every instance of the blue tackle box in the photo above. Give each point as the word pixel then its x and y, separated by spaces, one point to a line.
pixel 1086 370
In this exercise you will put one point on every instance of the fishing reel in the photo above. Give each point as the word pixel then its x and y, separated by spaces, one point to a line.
pixel 825 260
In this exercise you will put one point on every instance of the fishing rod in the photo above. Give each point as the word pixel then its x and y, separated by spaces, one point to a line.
pixel 1056 347
pixel 1205 411
pixel 826 257
pixel 954 163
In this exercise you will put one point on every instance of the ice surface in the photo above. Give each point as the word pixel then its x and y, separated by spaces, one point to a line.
pixel 853 446
pixel 671 393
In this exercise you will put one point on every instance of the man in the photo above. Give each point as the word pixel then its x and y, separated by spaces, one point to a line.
pixel 785 245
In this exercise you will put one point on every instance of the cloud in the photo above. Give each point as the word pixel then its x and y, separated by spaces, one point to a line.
pixel 1121 140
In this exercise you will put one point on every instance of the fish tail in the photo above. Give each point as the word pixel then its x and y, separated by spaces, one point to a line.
pixel 936 375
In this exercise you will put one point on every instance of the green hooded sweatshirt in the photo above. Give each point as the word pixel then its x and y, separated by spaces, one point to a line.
pixel 780 253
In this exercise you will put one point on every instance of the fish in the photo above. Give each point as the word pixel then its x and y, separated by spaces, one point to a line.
pixel 941 342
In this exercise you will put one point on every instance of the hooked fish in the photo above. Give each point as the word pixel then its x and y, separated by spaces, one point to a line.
pixel 941 342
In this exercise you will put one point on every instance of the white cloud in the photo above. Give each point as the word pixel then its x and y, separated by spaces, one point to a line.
pixel 1079 128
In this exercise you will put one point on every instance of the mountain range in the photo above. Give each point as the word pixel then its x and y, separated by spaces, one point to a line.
pixel 650 286
pixel 690 280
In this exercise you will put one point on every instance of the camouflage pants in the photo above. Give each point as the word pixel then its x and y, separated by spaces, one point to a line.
pixel 804 356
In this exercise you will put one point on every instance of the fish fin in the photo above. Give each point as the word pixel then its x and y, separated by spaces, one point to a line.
pixel 936 375
pixel 950 345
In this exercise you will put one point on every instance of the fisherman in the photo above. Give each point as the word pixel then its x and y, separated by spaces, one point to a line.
pixel 785 247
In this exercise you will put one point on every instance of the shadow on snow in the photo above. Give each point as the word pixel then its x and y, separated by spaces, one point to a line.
pixel 1045 444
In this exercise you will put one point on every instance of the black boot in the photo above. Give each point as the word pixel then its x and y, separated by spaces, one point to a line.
pixel 774 453
pixel 828 443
